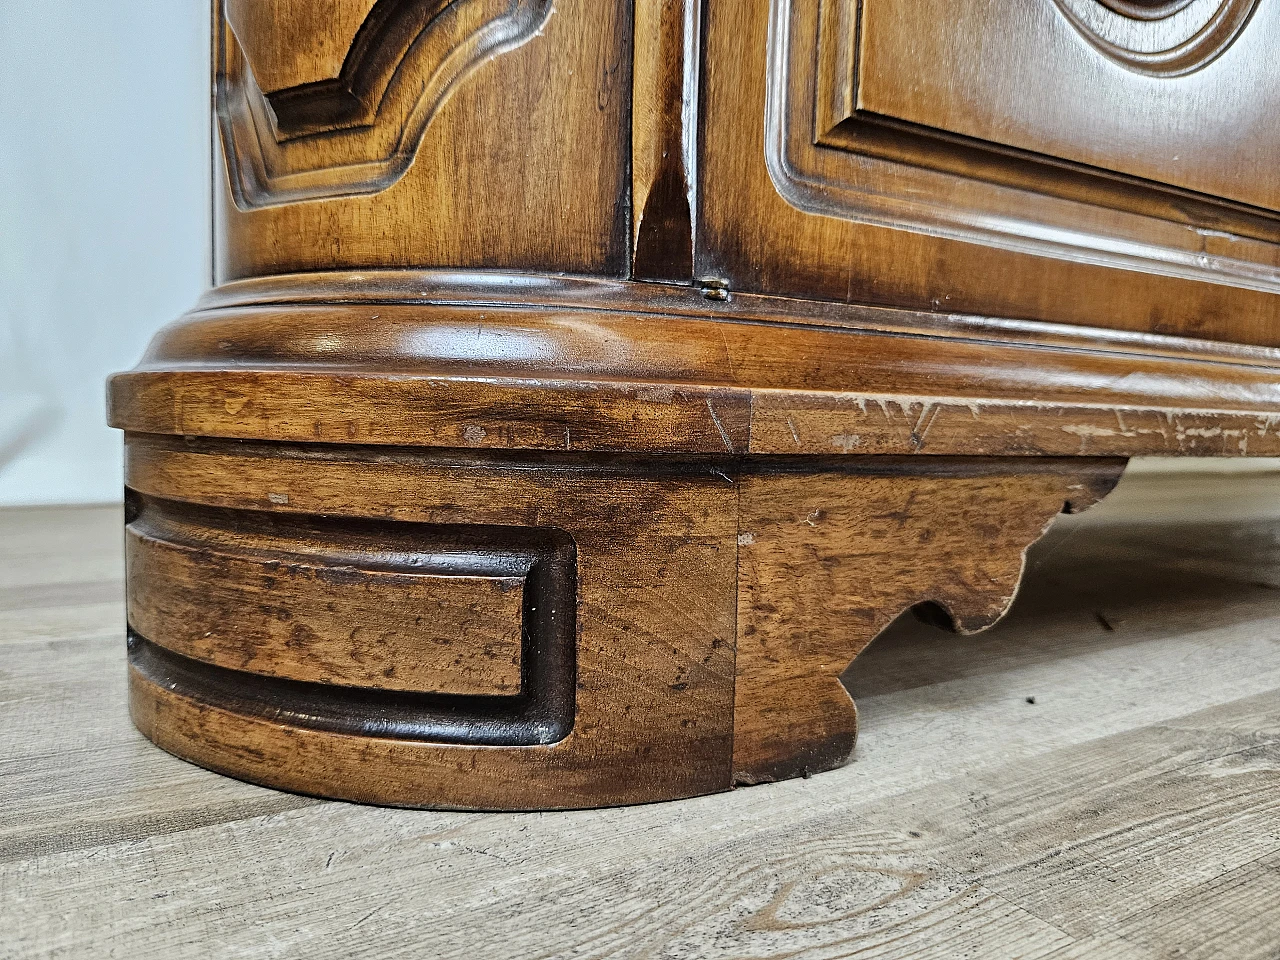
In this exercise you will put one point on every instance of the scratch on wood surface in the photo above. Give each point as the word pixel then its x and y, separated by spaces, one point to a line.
pixel 1180 427
pixel 985 406
pixel 728 444
pixel 728 353
pixel 928 413
pixel 846 442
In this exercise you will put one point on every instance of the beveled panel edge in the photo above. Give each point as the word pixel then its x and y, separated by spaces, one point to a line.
pixel 795 155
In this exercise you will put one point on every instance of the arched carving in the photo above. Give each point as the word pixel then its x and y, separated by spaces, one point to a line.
pixel 358 132
pixel 1159 37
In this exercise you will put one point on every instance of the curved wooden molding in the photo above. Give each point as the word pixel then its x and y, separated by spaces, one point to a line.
pixel 627 623
pixel 827 561
pixel 1147 9
pixel 1162 39
pixel 515 362
pixel 358 133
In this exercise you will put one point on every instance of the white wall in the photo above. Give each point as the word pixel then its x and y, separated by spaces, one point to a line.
pixel 103 221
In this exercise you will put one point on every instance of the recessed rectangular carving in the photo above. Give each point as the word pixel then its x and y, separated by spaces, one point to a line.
pixel 328 619
pixel 447 625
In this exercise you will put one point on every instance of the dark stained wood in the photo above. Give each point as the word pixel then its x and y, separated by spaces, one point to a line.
pixel 655 562
pixel 445 287
pixel 356 130
pixel 275 33
pixel 754 376
pixel 667 560
pixel 948 65
pixel 664 123
pixel 502 107
pixel 336 606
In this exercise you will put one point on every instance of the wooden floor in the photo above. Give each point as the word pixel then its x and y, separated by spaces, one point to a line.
pixel 1099 776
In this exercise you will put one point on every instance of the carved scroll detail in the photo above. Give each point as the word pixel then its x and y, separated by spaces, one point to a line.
pixel 1166 38
pixel 358 133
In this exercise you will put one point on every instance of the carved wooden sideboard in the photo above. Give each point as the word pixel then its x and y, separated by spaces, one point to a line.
pixel 585 383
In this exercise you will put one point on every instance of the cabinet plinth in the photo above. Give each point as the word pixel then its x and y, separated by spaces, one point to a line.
pixel 585 385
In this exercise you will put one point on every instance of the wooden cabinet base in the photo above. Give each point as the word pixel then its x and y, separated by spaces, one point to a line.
pixel 609 544
pixel 510 631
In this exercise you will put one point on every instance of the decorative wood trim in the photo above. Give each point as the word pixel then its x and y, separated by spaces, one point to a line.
pixel 456 634
pixel 717 602
pixel 651 578
pixel 828 560
pixel 532 291
pixel 359 132
pixel 511 541
pixel 405 607
pixel 753 375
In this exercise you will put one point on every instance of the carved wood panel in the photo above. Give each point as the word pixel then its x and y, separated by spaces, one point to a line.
pixel 456 634
pixel 293 42
pixel 376 606
pixel 418 133
pixel 1128 133
pixel 628 665
pixel 1162 38
pixel 357 130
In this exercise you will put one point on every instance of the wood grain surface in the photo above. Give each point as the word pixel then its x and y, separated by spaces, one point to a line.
pixel 327 605
pixel 827 560
pixel 889 211
pixel 959 167
pixel 1128 813
pixel 944 78
pixel 639 709
pixel 285 600
pixel 541 363
pixel 484 108
pixel 664 130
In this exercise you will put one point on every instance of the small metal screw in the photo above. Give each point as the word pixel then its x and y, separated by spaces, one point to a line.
pixel 714 288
